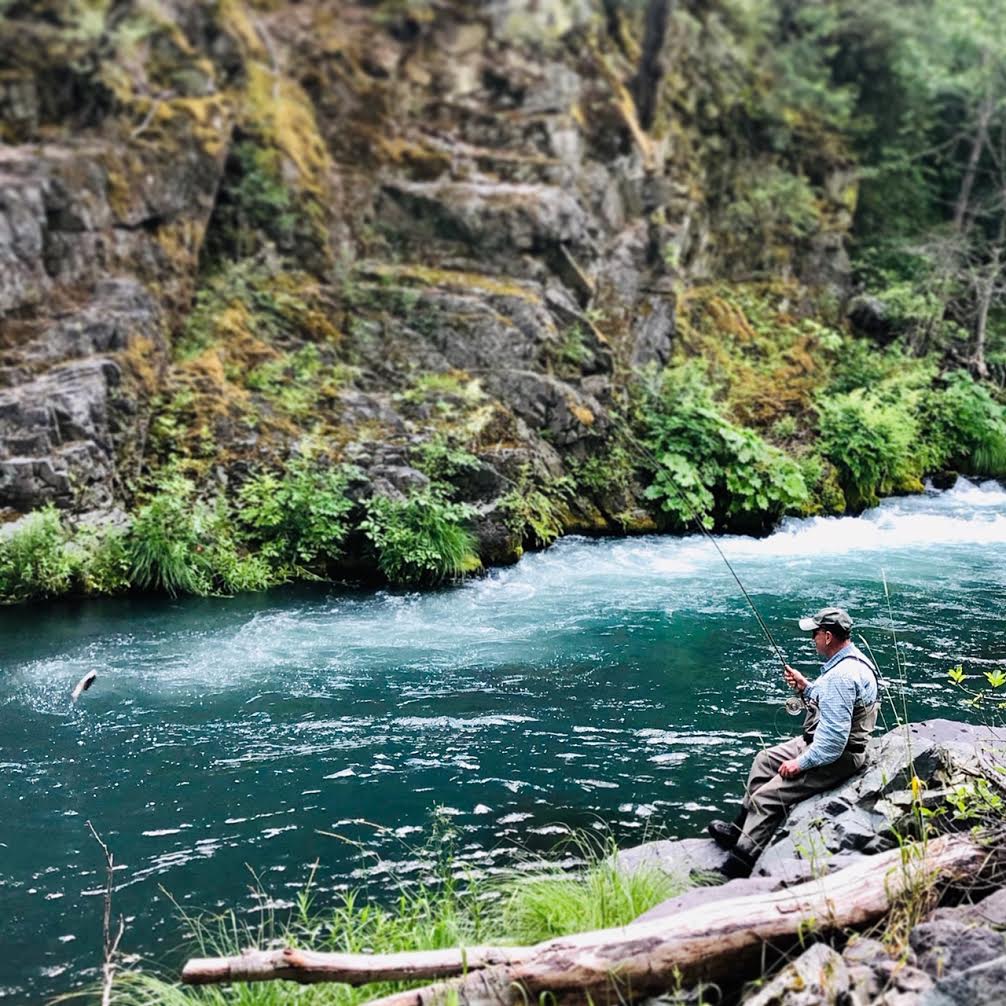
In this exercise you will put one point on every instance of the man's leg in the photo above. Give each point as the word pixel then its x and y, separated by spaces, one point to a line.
pixel 765 765
pixel 768 805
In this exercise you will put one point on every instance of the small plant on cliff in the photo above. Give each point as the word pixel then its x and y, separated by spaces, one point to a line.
pixel 299 518
pixel 536 513
pixel 444 459
pixel 35 560
pixel 422 539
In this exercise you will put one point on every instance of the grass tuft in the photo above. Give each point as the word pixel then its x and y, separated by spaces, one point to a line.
pixel 441 912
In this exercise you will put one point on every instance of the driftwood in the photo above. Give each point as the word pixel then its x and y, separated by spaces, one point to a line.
pixel 612 965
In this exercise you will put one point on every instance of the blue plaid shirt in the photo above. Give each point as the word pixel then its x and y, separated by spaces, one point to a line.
pixel 837 693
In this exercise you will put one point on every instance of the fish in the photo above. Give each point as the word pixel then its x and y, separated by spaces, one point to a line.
pixel 82 686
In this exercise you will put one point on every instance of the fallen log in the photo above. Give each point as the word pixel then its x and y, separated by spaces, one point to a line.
pixel 616 965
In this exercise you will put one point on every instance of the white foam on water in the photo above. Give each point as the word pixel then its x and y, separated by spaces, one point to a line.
pixel 527 612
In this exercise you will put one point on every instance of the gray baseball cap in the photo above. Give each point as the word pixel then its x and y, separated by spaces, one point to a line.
pixel 827 618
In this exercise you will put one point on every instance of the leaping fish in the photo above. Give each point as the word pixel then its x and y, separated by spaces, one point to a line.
pixel 82 686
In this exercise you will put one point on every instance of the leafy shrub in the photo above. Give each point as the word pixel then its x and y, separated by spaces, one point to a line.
pixel 182 545
pixel 821 478
pixel 859 364
pixel 772 209
pixel 105 565
pixel 301 517
pixel 167 542
pixel 35 560
pixel 873 444
pixel 536 514
pixel 708 467
pixel 421 539
pixel 965 427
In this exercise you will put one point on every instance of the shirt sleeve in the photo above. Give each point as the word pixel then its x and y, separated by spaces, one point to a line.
pixel 836 697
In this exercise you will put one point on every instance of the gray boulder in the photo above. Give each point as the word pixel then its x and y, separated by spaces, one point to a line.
pixel 982 985
pixel 677 858
pixel 944 947
pixel 816 978
pixel 863 814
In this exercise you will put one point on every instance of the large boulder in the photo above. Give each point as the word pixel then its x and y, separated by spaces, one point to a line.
pixel 863 814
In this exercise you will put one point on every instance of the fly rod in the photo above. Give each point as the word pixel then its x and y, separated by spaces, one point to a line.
pixel 651 458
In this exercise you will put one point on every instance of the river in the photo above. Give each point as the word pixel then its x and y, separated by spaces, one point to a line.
pixel 616 684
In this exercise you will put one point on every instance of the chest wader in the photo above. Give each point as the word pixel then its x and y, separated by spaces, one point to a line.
pixel 864 719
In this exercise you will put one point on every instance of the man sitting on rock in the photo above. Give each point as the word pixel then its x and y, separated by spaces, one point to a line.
pixel 841 714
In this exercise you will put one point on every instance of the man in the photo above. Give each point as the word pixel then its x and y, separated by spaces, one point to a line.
pixel 841 714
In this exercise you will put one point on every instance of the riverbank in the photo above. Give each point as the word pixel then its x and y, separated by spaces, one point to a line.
pixel 921 780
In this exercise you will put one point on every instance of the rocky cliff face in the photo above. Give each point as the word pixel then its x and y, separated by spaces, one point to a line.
pixel 458 224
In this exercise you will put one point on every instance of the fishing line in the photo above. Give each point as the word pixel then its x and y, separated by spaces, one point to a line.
pixel 651 458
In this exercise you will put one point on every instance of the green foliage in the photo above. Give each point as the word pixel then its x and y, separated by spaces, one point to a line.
pixel 181 545
pixel 535 513
pixel 35 560
pixel 295 381
pixel 772 211
pixel 860 364
pixel 448 908
pixel 553 902
pixel 966 427
pixel 873 444
pixel 422 539
pixel 607 473
pixel 255 204
pixel 443 460
pixel 821 478
pixel 104 561
pixel 255 297
pixel 709 468
pixel 168 539
pixel 299 518
pixel 574 351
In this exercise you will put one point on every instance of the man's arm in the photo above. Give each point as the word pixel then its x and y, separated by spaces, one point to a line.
pixel 836 696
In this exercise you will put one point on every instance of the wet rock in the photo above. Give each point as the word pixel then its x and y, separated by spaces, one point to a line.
pixel 653 332
pixel 565 416
pixel 68 434
pixel 496 217
pixel 982 985
pixel 869 316
pixel 989 911
pixel 498 543
pixel 677 858
pixel 861 815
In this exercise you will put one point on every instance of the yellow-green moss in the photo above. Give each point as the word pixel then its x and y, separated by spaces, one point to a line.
pixel 277 109
pixel 465 282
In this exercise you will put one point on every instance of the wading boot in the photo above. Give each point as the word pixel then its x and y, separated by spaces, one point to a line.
pixel 740 862
pixel 726 833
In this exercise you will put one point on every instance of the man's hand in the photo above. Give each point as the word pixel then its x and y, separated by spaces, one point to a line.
pixel 789 769
pixel 795 679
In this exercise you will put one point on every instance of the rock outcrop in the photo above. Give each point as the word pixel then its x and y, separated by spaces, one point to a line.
pixel 956 956
pixel 507 196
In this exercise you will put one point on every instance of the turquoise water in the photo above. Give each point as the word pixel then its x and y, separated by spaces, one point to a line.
pixel 616 683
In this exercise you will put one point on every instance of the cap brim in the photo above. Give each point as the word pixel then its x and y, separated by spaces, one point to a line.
pixel 807 624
